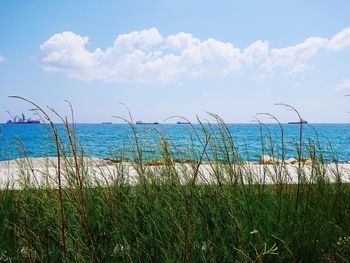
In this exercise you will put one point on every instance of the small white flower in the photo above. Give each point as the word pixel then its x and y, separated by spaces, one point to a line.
pixel 3 257
pixel 118 249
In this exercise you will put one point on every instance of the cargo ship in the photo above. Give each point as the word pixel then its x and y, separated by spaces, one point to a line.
pixel 22 120
pixel 146 123
pixel 298 122
pixel 183 122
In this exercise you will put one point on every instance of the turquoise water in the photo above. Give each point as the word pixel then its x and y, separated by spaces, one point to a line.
pixel 103 140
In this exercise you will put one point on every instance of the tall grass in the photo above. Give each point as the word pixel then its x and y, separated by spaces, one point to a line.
pixel 171 209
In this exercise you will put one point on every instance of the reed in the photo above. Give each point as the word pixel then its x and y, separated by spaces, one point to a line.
pixel 171 211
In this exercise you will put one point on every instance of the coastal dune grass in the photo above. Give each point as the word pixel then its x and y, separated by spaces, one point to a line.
pixel 172 212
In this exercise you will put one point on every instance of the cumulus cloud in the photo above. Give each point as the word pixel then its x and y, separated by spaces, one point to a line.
pixel 2 58
pixel 140 56
pixel 148 56
pixel 294 58
pixel 340 40
pixel 344 85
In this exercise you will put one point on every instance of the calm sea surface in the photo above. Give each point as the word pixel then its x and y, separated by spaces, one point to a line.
pixel 110 140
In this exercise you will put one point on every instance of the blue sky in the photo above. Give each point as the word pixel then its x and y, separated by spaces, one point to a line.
pixel 164 58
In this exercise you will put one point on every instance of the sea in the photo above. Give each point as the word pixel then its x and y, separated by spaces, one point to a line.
pixel 185 141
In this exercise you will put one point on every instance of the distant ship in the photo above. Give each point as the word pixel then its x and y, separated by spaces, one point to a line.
pixel 22 120
pixel 183 122
pixel 107 122
pixel 298 122
pixel 146 123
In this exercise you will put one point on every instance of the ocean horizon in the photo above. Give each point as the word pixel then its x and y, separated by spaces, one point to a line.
pixel 112 140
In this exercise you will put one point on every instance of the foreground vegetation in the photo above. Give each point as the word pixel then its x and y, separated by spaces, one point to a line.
pixel 172 214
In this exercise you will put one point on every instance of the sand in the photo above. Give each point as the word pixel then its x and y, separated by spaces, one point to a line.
pixel 42 172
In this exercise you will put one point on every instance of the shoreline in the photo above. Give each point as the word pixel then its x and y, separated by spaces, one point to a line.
pixel 42 172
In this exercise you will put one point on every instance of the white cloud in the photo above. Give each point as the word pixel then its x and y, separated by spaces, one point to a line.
pixel 144 56
pixel 340 40
pixel 294 58
pixel 66 52
pixel 2 58
pixel 256 53
pixel 148 56
pixel 344 85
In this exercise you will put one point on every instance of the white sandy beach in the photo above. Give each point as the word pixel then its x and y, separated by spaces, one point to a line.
pixel 43 172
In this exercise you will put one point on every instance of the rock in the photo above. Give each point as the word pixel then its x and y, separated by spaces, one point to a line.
pixel 267 159
pixel 291 161
pixel 159 162
pixel 111 161
pixel 308 161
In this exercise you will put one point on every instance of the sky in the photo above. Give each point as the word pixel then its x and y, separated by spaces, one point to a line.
pixel 165 58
